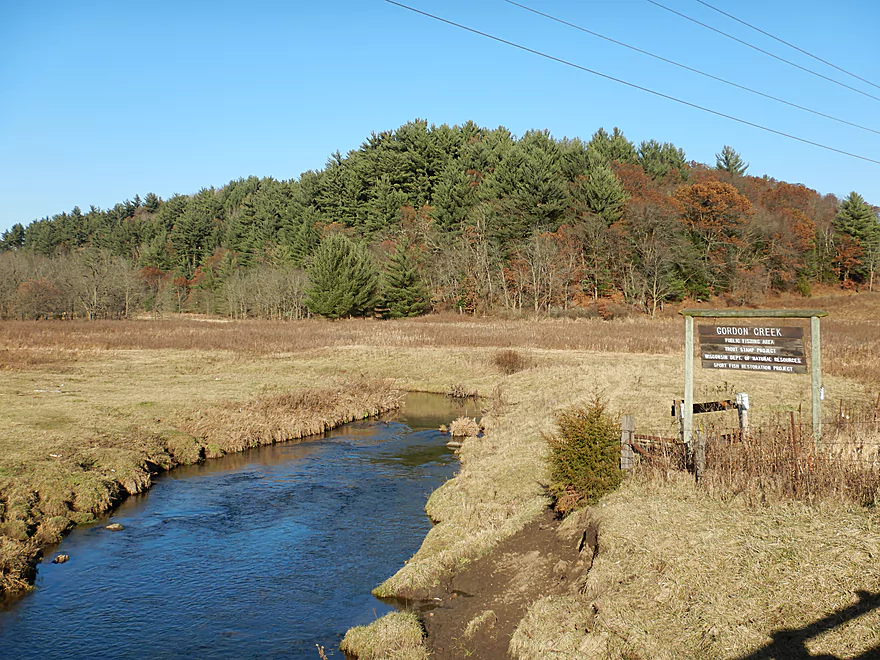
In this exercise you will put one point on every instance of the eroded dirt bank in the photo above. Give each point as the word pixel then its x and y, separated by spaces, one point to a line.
pixel 475 613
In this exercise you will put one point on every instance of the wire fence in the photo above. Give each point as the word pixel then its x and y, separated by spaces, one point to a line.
pixel 780 455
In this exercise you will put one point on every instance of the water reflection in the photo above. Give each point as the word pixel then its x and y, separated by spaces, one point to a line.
pixel 259 554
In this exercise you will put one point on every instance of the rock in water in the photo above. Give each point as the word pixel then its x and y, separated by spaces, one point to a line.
pixel 60 559
pixel 114 527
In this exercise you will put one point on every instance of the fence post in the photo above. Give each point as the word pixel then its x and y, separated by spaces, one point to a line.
pixel 742 407
pixel 699 437
pixel 816 378
pixel 678 411
pixel 627 429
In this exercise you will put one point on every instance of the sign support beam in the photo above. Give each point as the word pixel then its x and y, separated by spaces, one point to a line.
pixel 688 424
pixel 816 378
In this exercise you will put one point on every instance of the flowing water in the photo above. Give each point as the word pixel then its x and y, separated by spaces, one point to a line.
pixel 256 555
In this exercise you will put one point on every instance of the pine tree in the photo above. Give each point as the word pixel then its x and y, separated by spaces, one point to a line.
pixel 659 159
pixel 605 148
pixel 730 161
pixel 858 219
pixel 405 291
pixel 13 238
pixel 603 193
pixel 151 202
pixel 342 279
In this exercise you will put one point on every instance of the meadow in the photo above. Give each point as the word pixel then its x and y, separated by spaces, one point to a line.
pixel 91 409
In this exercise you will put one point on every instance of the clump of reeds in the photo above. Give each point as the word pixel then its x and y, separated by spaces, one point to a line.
pixel 16 564
pixel 463 391
pixel 509 361
pixel 465 427
pixel 395 635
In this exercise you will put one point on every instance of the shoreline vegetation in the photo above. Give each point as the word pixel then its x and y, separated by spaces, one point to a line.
pixel 734 570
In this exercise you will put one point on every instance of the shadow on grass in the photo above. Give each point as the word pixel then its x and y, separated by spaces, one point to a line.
pixel 791 643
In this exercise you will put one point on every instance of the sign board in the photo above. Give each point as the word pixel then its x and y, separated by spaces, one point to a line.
pixel 767 349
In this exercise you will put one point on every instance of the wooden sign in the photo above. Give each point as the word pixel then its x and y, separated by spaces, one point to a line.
pixel 768 349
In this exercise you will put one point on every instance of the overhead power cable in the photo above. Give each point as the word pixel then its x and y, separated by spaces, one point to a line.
pixel 761 50
pixel 790 45
pixel 628 84
pixel 691 69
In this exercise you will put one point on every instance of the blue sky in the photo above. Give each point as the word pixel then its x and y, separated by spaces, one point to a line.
pixel 100 101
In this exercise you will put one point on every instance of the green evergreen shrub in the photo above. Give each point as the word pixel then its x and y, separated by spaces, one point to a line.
pixel 584 456
pixel 343 281
pixel 405 292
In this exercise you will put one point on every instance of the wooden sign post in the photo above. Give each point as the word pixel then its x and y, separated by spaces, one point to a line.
pixel 770 348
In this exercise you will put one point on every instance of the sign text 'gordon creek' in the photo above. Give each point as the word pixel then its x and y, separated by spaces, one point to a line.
pixel 775 349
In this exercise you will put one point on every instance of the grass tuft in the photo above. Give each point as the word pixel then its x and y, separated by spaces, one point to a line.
pixel 465 427
pixel 395 636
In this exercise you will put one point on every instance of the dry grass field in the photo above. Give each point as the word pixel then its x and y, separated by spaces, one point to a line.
pixel 87 409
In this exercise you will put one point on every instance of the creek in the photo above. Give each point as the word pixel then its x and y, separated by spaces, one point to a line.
pixel 262 554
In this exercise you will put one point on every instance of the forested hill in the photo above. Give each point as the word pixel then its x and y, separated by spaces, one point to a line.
pixel 447 217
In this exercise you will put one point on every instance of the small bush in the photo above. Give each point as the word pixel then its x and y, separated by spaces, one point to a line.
pixel 584 456
pixel 510 362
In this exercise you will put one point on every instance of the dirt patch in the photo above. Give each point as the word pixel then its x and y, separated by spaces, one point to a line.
pixel 475 613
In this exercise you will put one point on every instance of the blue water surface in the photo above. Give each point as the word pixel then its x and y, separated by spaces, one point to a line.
pixel 262 554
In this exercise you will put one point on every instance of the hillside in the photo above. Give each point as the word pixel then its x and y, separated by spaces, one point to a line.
pixel 440 217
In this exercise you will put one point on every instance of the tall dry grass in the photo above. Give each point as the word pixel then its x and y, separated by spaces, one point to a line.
pixel 780 463
pixel 281 417
pixel 850 336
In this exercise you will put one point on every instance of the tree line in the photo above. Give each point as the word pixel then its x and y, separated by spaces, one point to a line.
pixel 437 217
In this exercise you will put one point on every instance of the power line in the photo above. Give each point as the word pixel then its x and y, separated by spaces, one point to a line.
pixel 693 70
pixel 761 50
pixel 782 41
pixel 629 84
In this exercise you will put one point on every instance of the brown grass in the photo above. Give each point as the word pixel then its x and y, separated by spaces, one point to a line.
pixel 102 395
pixel 683 575
pixel 850 336
pixel 510 361
pixel 464 427
pixel 396 636
pixel 779 463
pixel 281 417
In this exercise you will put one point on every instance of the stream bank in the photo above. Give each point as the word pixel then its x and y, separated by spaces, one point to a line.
pixel 262 553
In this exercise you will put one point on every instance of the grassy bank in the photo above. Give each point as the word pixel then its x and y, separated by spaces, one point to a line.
pixel 98 395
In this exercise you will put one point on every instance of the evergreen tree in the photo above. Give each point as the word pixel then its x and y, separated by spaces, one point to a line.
pixel 659 159
pixel 858 219
pixel 13 238
pixel 453 198
pixel 605 149
pixel 404 291
pixel 151 202
pixel 730 161
pixel 602 193
pixel 342 279
pixel 192 232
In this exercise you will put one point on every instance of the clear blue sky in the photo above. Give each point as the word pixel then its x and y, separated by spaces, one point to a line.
pixel 100 101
